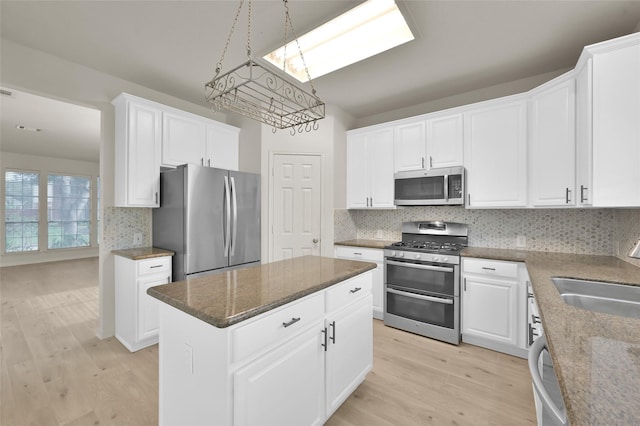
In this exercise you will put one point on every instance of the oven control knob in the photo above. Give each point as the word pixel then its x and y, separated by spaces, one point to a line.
pixel 418 256
pixel 436 259
pixel 401 254
pixel 445 259
pixel 393 253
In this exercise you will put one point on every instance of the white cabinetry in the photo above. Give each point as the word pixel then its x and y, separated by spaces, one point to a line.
pixel 293 365
pixel 409 145
pixel 190 138
pixel 368 255
pixel 608 122
pixel 370 169
pixel 444 140
pixel 494 305
pixel 137 152
pixel 136 311
pixel 183 140
pixel 495 152
pixel 349 350
pixel 584 161
pixel 552 144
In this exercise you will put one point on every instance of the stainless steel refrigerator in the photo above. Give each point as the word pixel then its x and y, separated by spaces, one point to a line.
pixel 209 217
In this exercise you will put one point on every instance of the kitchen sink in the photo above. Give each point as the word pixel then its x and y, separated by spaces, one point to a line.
pixel 598 296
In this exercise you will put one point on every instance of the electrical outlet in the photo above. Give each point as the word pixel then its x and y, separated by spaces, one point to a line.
pixel 137 238
pixel 379 234
pixel 521 241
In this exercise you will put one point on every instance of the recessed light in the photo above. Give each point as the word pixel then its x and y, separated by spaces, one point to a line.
pixel 364 31
pixel 28 129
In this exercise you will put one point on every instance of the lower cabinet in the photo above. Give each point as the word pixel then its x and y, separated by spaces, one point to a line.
pixel 292 375
pixel 349 352
pixel 136 311
pixel 494 305
pixel 368 255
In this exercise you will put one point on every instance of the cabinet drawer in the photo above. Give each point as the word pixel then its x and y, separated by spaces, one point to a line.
pixel 348 291
pixel 155 265
pixel 276 327
pixel 490 267
pixel 359 253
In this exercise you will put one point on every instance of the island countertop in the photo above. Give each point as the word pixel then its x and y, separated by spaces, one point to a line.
pixel 226 298
pixel 596 356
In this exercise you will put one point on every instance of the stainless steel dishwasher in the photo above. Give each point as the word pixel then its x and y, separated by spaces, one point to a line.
pixel 550 408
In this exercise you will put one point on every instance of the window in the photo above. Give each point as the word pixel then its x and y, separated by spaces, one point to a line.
pixel 21 217
pixel 68 211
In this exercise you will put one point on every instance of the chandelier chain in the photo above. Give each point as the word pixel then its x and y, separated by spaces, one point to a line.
pixel 295 37
pixel 233 27
pixel 249 31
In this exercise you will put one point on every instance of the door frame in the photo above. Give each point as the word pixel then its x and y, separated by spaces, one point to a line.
pixel 269 233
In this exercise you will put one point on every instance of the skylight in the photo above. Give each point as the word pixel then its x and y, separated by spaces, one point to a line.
pixel 364 31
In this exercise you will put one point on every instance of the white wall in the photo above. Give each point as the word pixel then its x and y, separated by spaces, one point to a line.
pixel 36 72
pixel 46 165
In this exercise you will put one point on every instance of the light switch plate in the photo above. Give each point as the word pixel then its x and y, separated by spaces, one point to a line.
pixel 521 241
pixel 137 238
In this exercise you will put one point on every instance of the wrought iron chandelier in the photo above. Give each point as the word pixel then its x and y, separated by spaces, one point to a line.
pixel 258 93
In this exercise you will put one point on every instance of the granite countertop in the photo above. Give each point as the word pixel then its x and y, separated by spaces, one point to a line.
pixel 596 356
pixel 140 253
pixel 226 298
pixel 374 244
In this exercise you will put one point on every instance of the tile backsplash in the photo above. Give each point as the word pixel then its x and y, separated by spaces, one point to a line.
pixel 583 231
pixel 626 233
pixel 119 225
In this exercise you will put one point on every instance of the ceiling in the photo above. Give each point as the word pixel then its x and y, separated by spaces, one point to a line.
pixel 460 46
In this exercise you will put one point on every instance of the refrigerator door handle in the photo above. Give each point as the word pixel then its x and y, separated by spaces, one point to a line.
pixel 234 222
pixel 227 231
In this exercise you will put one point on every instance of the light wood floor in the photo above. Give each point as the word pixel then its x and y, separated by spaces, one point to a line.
pixel 54 371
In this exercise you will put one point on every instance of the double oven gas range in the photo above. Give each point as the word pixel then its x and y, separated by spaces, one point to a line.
pixel 422 279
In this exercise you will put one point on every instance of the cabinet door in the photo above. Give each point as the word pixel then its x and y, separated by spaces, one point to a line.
pixel 357 172
pixel 445 141
pixel 616 127
pixel 222 147
pixel 349 352
pixel 409 146
pixel 142 156
pixel 496 154
pixel 490 308
pixel 284 387
pixel 183 140
pixel 553 146
pixel 148 306
pixel 584 163
pixel 381 168
pixel 377 290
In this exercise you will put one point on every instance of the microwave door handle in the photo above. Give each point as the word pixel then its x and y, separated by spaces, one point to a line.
pixel 446 187
pixel 419 266
pixel 421 297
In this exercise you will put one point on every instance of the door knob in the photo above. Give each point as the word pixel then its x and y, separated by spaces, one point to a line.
pixel 315 241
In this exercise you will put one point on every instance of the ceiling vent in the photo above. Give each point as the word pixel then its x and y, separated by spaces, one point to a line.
pixel 28 129
pixel 5 92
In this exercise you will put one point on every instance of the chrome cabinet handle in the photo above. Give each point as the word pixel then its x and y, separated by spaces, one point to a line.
pixel 535 319
pixel 202 161
pixel 333 332
pixel 209 162
pixel 315 241
pixel 488 269
pixel 430 161
pixel 324 336
pixel 156 197
pixel 423 162
pixel 567 196
pixel 464 283
pixel 582 197
pixel 289 323
pixel 155 266
pixel 355 290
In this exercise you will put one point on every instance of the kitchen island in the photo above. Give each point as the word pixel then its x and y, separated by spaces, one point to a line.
pixel 280 343
pixel 596 356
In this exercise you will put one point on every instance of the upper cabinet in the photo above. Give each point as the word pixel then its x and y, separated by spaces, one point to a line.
pixel 444 140
pixel 137 152
pixel 552 144
pixel 150 135
pixel 409 148
pixel 370 169
pixel 609 108
pixel 495 149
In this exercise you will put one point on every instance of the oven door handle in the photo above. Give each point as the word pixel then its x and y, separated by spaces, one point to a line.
pixel 421 297
pixel 419 266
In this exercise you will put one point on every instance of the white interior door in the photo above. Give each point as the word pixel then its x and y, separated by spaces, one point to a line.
pixel 296 206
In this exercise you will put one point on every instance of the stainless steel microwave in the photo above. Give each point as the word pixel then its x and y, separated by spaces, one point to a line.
pixel 435 187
